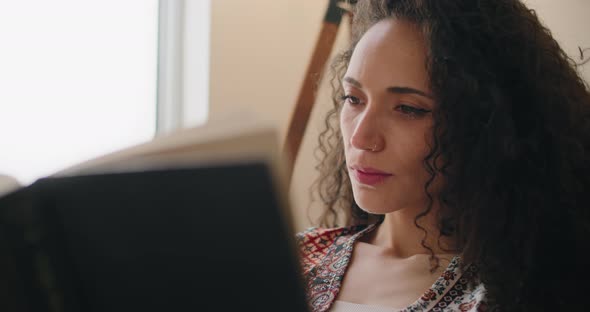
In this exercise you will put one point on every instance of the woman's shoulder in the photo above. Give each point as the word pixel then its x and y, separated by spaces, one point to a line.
pixel 315 242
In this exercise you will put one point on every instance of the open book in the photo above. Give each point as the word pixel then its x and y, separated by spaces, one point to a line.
pixel 238 137
pixel 176 223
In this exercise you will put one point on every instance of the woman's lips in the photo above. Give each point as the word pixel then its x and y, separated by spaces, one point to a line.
pixel 370 176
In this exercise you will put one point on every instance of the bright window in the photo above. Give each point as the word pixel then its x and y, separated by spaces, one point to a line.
pixel 77 80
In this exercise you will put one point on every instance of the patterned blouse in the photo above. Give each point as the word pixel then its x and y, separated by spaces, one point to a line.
pixel 325 254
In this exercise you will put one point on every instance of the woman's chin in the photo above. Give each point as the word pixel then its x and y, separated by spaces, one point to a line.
pixel 375 203
pixel 373 207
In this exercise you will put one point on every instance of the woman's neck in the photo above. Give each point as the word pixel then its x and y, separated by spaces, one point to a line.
pixel 399 236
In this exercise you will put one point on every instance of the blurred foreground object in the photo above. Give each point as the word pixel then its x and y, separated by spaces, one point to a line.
pixel 170 224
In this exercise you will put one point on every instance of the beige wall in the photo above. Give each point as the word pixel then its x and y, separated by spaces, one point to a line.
pixel 569 22
pixel 260 50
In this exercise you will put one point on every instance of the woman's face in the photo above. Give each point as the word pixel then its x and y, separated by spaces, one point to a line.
pixel 386 118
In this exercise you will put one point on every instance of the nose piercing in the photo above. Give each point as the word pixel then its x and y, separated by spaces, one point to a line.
pixel 372 149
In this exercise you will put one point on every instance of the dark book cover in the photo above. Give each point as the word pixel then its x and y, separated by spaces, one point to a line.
pixel 204 239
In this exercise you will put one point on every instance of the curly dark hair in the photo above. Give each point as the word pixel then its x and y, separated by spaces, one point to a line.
pixel 511 139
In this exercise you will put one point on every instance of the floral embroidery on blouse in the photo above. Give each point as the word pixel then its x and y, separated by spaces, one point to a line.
pixel 325 255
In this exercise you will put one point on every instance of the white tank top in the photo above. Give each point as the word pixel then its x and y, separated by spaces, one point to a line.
pixel 343 306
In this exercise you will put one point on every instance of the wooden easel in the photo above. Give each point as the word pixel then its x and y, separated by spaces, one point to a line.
pixel 307 93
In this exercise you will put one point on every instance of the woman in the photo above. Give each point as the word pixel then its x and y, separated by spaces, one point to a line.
pixel 458 152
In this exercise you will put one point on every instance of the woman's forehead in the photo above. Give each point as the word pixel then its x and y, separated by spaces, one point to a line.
pixel 391 52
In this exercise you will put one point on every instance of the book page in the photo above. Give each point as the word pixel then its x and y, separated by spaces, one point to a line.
pixel 8 184
pixel 235 138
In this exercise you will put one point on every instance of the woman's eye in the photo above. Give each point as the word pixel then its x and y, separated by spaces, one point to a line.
pixel 353 100
pixel 411 110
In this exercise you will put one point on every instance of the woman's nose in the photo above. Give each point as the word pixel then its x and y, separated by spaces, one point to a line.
pixel 367 134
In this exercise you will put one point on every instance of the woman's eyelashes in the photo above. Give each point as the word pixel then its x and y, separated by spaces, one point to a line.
pixel 405 109
pixel 349 99
pixel 412 111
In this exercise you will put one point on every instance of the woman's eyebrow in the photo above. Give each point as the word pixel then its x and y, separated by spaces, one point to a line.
pixel 353 82
pixel 394 89
pixel 408 90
